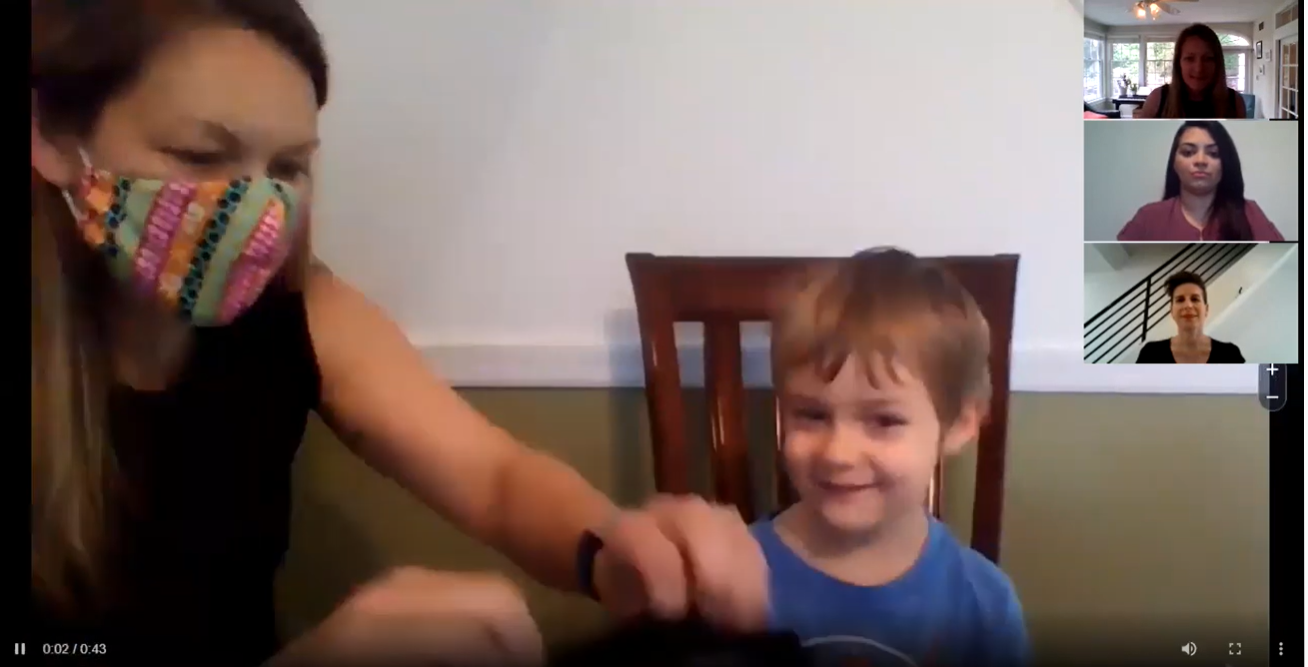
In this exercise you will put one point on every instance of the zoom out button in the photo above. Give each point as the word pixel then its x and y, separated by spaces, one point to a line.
pixel 1271 386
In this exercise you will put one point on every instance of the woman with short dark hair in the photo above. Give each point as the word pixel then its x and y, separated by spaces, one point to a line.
pixel 1189 305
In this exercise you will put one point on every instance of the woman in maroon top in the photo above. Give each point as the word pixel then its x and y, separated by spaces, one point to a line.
pixel 1189 298
pixel 1203 194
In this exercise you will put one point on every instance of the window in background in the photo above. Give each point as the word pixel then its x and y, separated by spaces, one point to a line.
pixel 1158 66
pixel 1288 63
pixel 1236 55
pixel 1155 68
pixel 1235 71
pixel 1125 62
pixel 1092 78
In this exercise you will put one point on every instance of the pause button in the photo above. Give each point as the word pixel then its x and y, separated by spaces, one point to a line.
pixel 20 649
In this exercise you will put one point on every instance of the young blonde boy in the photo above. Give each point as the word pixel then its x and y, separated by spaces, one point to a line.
pixel 882 370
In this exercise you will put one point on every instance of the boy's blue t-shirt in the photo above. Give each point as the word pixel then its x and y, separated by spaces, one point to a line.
pixel 953 607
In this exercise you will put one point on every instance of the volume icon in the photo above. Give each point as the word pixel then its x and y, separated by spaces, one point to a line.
pixel 1189 648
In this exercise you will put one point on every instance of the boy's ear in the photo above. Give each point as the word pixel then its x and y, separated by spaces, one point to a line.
pixel 966 428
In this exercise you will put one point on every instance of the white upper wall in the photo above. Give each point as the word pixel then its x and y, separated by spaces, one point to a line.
pixel 1265 320
pixel 487 163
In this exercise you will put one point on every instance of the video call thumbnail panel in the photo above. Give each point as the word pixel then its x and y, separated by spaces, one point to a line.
pixel 1191 181
pixel 1163 303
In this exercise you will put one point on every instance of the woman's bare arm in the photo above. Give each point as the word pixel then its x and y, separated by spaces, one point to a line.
pixel 381 398
pixel 1151 106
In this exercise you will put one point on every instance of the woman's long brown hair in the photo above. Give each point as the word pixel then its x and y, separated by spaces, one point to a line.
pixel 1228 211
pixel 1177 92
pixel 84 53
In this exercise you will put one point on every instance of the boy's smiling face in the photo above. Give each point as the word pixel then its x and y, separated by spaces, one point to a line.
pixel 862 452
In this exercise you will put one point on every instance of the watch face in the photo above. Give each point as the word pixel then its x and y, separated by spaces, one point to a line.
pixel 854 652
pixel 587 549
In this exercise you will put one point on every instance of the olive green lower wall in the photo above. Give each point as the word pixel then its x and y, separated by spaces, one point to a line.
pixel 1136 511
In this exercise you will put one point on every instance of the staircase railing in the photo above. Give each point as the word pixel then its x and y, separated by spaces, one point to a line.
pixel 1125 321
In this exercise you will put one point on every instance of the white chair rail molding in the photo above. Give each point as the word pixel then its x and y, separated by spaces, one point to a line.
pixel 485 191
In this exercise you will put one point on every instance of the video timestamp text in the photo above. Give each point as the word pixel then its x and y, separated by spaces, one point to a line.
pixel 74 649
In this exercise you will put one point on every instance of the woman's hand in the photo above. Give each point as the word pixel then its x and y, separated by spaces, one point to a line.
pixel 419 617
pixel 681 554
pixel 380 397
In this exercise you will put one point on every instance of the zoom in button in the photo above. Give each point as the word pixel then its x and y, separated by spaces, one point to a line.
pixel 1271 386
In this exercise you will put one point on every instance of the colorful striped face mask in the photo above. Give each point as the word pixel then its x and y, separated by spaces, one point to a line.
pixel 204 250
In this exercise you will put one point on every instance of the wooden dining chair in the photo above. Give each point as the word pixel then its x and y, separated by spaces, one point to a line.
pixel 722 293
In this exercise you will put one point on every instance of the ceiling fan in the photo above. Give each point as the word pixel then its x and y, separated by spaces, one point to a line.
pixel 1150 9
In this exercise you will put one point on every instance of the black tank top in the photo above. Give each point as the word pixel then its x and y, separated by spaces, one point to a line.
pixel 1200 109
pixel 207 464
pixel 1160 352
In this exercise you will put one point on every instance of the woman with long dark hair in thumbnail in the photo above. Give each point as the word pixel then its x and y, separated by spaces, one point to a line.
pixel 1198 86
pixel 1203 194
pixel 1188 296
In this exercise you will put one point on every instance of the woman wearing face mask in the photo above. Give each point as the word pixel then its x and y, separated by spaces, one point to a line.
pixel 1203 194
pixel 1189 299
pixel 1198 86
pixel 181 335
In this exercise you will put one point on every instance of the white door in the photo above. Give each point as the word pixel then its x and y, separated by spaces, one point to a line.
pixel 1287 81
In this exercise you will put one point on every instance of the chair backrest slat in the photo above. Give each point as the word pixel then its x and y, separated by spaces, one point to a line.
pixel 667 412
pixel 725 386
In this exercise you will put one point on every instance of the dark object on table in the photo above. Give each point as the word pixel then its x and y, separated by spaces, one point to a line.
pixel 649 643
pixel 1106 114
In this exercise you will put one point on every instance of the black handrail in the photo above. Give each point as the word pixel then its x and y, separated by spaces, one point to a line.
pixel 1126 321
